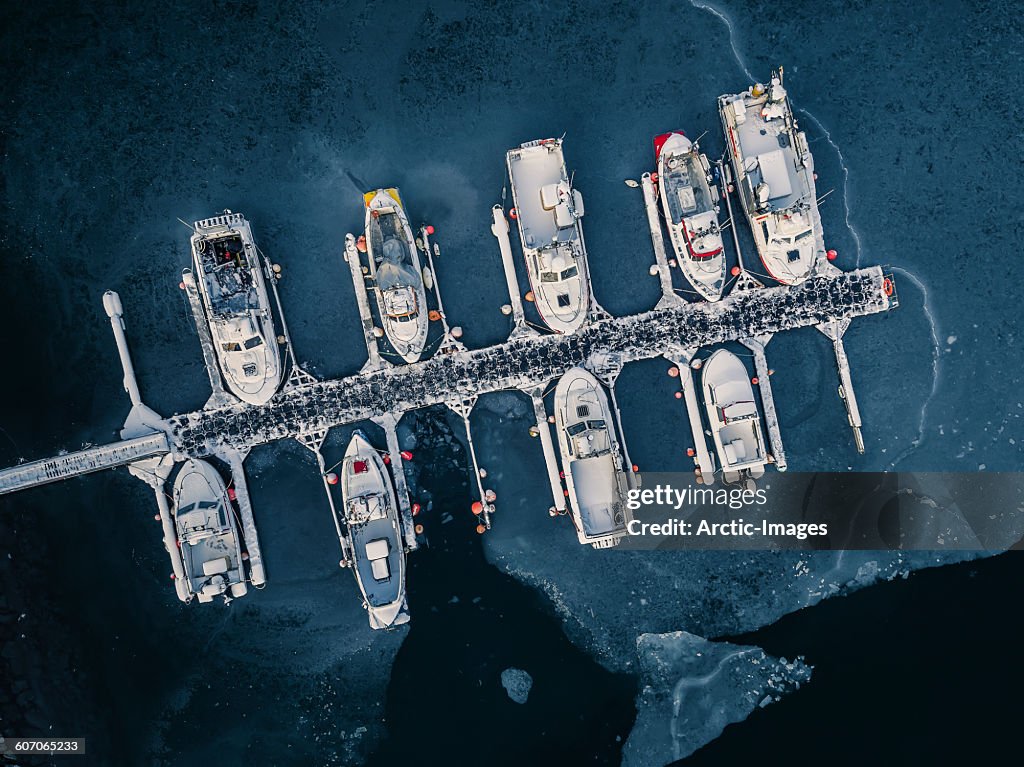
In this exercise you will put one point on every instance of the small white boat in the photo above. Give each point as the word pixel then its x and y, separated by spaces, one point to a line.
pixel 775 179
pixel 374 534
pixel 398 274
pixel 207 531
pixel 230 277
pixel 689 203
pixel 548 211
pixel 591 459
pixel 733 416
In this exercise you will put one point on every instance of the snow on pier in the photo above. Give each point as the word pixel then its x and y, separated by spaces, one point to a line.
pixel 523 363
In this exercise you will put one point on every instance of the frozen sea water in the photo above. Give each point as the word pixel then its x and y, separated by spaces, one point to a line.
pixel 692 689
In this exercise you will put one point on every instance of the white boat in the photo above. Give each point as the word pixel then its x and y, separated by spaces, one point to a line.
pixel 207 531
pixel 591 459
pixel 230 276
pixel 733 416
pixel 689 202
pixel 374 534
pixel 397 272
pixel 548 211
pixel 775 179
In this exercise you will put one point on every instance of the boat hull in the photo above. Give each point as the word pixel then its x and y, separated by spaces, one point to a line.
pixel 591 460
pixel 370 515
pixel 237 306
pixel 207 533
pixel 774 172
pixel 688 203
pixel 548 213
pixel 399 291
pixel 733 415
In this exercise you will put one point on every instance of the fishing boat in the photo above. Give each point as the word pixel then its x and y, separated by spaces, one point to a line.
pixel 591 459
pixel 548 211
pixel 775 179
pixel 733 417
pixel 689 202
pixel 207 531
pixel 374 534
pixel 397 272
pixel 230 277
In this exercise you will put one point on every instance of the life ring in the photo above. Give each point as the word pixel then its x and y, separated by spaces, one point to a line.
pixel 887 286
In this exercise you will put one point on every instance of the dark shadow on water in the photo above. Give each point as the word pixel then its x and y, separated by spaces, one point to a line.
pixel 446 704
pixel 918 671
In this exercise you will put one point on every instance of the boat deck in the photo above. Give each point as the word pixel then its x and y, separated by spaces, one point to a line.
pixel 378 559
pixel 531 169
pixel 770 144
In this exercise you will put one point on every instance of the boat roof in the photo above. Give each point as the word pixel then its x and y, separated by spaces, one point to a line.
pixel 598 501
pixel 767 149
pixel 541 186
pixel 378 558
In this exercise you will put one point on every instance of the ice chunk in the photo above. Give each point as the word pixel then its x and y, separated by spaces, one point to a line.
pixel 517 684
pixel 691 689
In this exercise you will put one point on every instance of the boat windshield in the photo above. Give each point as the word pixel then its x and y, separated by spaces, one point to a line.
pixel 785 241
pixel 576 428
pixel 231 346
pixel 599 424
pixel 572 271
pixel 253 342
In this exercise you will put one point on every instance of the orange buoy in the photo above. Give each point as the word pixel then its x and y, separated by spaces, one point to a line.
pixel 831 255
pixel 565 493
pixel 419 529
pixel 679 395
pixel 407 455
pixel 654 177
pixel 635 468
pixel 416 509
pixel 673 371
pixel 513 214
pixel 172 576
pixel 332 478
pixel 754 381
pixel 529 296
pixel 561 475
pixel 181 285
pixel 232 494
pixel 887 284
pixel 477 507
pixel 156 517
pixel 434 315
pixel 430 229
pixel 735 271
pixel 480 529
pixel 690 452
pixel 361 243
pixel 387 459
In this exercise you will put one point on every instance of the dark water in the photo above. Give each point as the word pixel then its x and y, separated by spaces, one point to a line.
pixel 445 702
pixel 918 671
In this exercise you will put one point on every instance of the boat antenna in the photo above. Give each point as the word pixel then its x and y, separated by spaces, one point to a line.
pixel 696 141
pixel 186 224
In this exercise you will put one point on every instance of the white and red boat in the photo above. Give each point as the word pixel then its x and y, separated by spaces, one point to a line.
pixel 689 201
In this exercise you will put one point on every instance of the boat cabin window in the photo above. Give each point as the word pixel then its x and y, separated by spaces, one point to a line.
pixel 597 424
pixel 572 271
pixel 576 428
pixel 208 504
pixel 231 346
pixel 185 509
pixel 253 342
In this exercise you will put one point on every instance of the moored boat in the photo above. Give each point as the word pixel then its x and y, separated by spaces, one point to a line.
pixel 229 273
pixel 591 459
pixel 733 416
pixel 548 212
pixel 774 173
pixel 207 533
pixel 397 272
pixel 374 534
pixel 689 203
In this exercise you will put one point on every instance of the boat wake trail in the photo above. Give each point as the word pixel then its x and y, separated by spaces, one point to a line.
pixel 846 182
pixel 936 356
pixel 732 34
